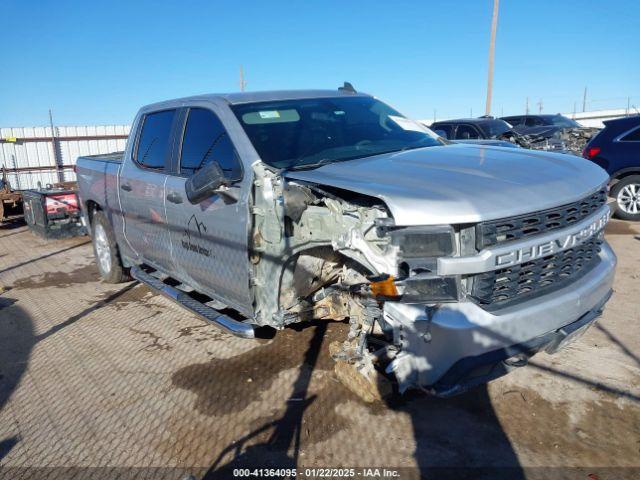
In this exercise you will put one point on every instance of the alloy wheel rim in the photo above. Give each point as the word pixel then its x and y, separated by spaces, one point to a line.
pixel 102 249
pixel 629 199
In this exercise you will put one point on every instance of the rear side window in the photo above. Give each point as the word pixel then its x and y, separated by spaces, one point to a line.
pixel 633 136
pixel 155 139
pixel 447 129
pixel 206 140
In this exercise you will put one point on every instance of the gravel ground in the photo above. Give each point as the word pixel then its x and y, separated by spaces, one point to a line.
pixel 104 381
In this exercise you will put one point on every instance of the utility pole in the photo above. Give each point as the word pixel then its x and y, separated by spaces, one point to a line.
pixel 628 104
pixel 492 48
pixel 56 150
pixel 243 84
pixel 584 100
pixel 574 110
pixel 526 108
pixel 540 106
pixel 434 114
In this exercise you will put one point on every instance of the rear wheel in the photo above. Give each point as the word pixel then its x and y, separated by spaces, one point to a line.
pixel 627 195
pixel 106 251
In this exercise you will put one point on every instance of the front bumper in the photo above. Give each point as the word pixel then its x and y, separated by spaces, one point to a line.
pixel 451 347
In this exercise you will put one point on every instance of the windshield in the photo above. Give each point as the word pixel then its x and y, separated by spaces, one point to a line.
pixel 495 128
pixel 560 121
pixel 310 132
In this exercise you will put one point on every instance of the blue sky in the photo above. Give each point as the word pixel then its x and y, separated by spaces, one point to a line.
pixel 96 62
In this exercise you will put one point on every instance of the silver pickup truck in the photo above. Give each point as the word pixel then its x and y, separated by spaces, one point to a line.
pixel 452 263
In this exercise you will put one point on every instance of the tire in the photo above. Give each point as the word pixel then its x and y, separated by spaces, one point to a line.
pixel 106 251
pixel 627 195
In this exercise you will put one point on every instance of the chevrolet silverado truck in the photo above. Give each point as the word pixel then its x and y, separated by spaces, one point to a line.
pixel 451 263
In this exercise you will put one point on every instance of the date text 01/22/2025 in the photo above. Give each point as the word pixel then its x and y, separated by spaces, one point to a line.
pixel 316 472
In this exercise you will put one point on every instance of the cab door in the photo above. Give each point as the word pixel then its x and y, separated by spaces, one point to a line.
pixel 141 188
pixel 210 239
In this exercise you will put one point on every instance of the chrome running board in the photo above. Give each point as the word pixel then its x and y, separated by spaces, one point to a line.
pixel 239 329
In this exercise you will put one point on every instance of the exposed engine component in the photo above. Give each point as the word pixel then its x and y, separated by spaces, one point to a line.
pixel 566 140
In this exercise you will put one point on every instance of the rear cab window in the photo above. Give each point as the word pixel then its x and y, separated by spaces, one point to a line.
pixel 206 140
pixel 155 139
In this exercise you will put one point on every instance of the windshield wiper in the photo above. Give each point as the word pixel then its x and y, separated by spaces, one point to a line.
pixel 308 166
pixel 324 161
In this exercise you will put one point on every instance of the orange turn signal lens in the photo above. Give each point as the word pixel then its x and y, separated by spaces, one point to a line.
pixel 384 287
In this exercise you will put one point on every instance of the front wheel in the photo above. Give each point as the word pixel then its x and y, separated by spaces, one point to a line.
pixel 627 195
pixel 106 251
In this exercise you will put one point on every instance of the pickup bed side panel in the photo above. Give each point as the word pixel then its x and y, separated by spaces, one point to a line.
pixel 97 186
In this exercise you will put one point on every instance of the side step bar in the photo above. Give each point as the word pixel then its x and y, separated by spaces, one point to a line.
pixel 209 314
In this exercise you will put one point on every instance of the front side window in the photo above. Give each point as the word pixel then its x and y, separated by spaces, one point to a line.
pixel 633 136
pixel 465 132
pixel 533 122
pixel 155 139
pixel 514 121
pixel 206 140
pixel 495 128
pixel 310 132
pixel 564 122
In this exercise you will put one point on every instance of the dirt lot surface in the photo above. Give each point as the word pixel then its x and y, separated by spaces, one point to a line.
pixel 116 377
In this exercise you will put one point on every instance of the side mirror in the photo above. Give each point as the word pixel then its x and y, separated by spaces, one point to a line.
pixel 441 133
pixel 204 182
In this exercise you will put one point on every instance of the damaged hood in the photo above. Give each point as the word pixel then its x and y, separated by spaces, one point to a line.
pixel 459 183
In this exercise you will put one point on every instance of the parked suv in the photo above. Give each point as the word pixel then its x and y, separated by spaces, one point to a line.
pixel 266 209
pixel 617 149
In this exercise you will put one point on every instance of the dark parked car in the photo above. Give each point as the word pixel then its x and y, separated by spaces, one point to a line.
pixel 617 149
pixel 487 128
pixel 552 132
pixel 526 122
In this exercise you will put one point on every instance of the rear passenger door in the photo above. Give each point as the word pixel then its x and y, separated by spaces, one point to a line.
pixel 141 189
pixel 210 239
pixel 627 149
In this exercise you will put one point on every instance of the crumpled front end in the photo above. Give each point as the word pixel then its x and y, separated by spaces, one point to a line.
pixel 440 306
pixel 449 348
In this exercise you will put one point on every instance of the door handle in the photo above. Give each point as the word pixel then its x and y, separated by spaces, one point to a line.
pixel 126 187
pixel 173 197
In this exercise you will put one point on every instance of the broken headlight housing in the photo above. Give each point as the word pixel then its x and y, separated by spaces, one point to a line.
pixel 418 250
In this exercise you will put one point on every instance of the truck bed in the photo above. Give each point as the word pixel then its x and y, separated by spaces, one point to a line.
pixel 115 157
pixel 98 179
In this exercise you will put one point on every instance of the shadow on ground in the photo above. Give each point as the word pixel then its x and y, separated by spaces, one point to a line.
pixel 459 432
pixel 17 339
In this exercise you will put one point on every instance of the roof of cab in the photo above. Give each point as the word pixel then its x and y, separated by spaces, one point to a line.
pixel 250 97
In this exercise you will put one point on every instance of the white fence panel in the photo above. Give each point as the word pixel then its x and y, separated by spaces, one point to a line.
pixel 32 155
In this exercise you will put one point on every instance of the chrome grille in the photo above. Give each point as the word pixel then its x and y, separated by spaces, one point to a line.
pixel 496 232
pixel 537 277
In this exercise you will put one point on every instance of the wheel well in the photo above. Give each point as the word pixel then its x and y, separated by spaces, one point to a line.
pixel 317 265
pixel 92 207
pixel 625 173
